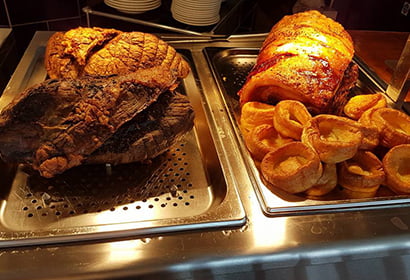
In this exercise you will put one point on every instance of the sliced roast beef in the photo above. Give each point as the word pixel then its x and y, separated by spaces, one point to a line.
pixel 150 133
pixel 55 125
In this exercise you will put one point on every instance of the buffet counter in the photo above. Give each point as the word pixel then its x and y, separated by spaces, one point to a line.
pixel 380 55
pixel 4 33
pixel 8 56
pixel 380 50
pixel 359 241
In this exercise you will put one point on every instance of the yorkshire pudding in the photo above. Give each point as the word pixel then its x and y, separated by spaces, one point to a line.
pixel 255 113
pixel 366 119
pixel 363 173
pixel 326 183
pixel 371 130
pixel 289 118
pixel 334 138
pixel 394 124
pixel 370 192
pixel 294 167
pixel 396 164
pixel 263 139
pixel 358 104
pixel 370 138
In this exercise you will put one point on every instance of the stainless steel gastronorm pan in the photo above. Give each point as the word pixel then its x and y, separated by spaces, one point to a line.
pixel 183 189
pixel 230 66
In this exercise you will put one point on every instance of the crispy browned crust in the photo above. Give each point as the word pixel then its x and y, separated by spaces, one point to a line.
pixel 82 42
pixel 309 26
pixel 343 93
pixel 130 51
pixel 56 62
pixel 100 52
pixel 58 123
pixel 304 58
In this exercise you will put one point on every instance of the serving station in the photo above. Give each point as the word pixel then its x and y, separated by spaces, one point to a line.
pixel 211 219
pixel 8 57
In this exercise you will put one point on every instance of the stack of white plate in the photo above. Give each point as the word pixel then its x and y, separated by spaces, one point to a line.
pixel 133 6
pixel 196 12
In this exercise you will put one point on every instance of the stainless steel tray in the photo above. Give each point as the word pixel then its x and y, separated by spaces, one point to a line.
pixel 230 66
pixel 184 189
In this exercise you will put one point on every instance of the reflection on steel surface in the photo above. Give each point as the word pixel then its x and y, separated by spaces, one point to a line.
pixel 399 86
pixel 183 189
pixel 230 67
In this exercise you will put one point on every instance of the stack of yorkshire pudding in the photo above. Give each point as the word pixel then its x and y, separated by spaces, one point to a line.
pixel 301 153
pixel 302 147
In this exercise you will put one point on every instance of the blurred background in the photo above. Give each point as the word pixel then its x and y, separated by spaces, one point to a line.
pixel 28 16
pixel 25 17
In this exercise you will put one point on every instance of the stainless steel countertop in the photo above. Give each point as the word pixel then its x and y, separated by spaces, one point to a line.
pixel 360 244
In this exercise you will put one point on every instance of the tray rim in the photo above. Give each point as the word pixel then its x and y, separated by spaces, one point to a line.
pixel 261 190
pixel 227 213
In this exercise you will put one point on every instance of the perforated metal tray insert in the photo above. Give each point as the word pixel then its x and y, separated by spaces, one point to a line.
pixel 230 67
pixel 171 186
pixel 173 192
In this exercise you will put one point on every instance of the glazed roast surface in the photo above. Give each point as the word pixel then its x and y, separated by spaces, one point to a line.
pixel 304 57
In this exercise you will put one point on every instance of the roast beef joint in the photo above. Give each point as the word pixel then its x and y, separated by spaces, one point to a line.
pixel 124 117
